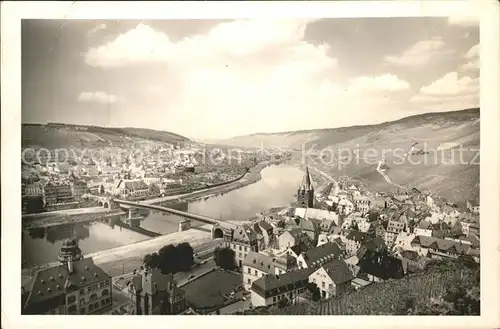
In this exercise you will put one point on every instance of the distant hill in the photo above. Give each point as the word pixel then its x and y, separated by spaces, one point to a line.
pixel 442 172
pixel 432 127
pixel 57 135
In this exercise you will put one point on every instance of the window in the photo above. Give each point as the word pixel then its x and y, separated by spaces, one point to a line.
pixel 71 299
pixel 249 281
pixel 330 286
pixel 82 301
pixel 255 271
pixel 239 254
pixel 82 291
pixel 82 310
pixel 249 270
pixel 274 299
pixel 240 248
pixel 246 249
pixel 314 280
pixel 93 297
pixel 323 284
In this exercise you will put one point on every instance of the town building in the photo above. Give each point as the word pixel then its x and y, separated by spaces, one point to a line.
pixel 78 189
pixel 155 293
pixel 332 278
pixel 309 228
pixel 362 203
pixel 285 263
pixel 394 228
pixel 34 189
pixel 271 289
pixel 345 207
pixel 320 215
pixel 69 251
pixel 424 228
pixel 305 193
pixel 473 206
pixel 58 193
pixel 289 238
pixel 242 240
pixel 131 188
pixel 379 266
pixel 266 230
pixel 441 248
pixel 76 287
pixel 317 256
pixel 256 265
pixel 354 240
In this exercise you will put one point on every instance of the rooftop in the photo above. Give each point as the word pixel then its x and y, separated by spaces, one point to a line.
pixel 56 281
pixel 338 271
pixel 270 282
pixel 259 261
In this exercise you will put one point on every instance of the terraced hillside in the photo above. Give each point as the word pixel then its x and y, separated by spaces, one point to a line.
pixel 445 289
pixel 355 152
pixel 52 136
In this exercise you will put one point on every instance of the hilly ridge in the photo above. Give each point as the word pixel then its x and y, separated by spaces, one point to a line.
pixel 58 135
pixel 445 170
pixel 417 126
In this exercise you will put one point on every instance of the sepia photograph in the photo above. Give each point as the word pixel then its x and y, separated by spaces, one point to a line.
pixel 251 166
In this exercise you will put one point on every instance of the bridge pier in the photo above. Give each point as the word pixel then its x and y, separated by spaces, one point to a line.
pixel 184 225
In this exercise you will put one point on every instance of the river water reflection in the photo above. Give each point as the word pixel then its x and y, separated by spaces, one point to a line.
pixel 276 188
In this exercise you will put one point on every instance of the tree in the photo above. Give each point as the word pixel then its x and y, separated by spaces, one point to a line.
pixel 225 258
pixel 185 257
pixel 313 288
pixel 151 260
pixel 154 189
pixel 33 204
pixel 171 259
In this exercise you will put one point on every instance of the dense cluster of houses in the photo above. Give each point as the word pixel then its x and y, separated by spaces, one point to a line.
pixel 160 170
pixel 348 240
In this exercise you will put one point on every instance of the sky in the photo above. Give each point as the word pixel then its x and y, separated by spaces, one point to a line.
pixel 215 79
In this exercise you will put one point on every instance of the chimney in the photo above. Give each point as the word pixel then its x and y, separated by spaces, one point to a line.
pixel 70 266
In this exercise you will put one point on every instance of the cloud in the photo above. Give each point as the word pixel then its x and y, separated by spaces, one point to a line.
pixel 259 69
pixel 97 97
pixel 420 53
pixel 385 82
pixel 450 90
pixel 233 39
pixel 472 57
pixel 98 28
pixel 464 21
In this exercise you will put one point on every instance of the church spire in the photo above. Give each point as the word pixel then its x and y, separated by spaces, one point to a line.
pixel 306 181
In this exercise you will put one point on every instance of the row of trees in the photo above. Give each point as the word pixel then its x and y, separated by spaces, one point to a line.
pixel 171 258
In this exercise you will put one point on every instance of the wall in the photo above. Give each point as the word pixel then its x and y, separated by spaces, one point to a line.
pixel 254 275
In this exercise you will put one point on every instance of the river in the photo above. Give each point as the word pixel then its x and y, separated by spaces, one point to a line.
pixel 277 187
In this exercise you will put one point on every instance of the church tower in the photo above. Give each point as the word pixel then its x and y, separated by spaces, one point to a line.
pixel 305 193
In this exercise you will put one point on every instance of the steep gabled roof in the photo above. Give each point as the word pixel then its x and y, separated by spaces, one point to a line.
pixel 306 181
pixel 259 261
pixel 270 282
pixel 323 251
pixel 381 265
pixel 338 271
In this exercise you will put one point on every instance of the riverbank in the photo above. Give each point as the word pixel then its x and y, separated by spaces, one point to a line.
pixel 129 257
pixel 82 215
pixel 252 176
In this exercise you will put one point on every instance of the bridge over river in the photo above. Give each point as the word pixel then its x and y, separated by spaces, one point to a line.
pixel 217 229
